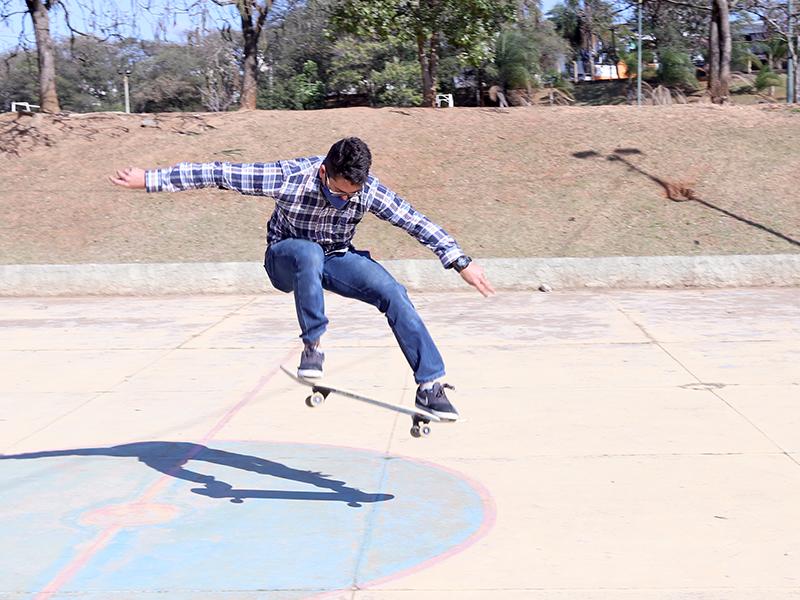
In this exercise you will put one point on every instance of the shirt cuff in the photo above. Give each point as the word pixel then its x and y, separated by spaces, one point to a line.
pixel 152 181
pixel 450 256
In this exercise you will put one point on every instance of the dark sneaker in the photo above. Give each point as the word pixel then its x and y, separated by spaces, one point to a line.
pixel 310 363
pixel 435 401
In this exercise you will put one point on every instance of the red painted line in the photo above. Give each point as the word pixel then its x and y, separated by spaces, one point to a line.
pixel 108 534
pixel 489 520
pixel 77 563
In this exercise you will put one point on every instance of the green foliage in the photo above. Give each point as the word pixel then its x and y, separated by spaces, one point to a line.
pixel 516 60
pixel 631 60
pixel 165 77
pixel 397 84
pixel 557 80
pixel 19 81
pixel 548 45
pixel 767 78
pixel 466 25
pixel 743 57
pixel 384 72
pixel 301 91
pixel 676 70
pixel 310 91
pixel 524 51
pixel 581 21
pixel 775 49
pixel 300 35
pixel 168 80
pixel 354 61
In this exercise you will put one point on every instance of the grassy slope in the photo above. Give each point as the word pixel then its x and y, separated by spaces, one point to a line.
pixel 505 183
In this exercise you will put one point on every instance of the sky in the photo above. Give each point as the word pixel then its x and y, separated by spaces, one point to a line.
pixel 143 26
pixel 138 22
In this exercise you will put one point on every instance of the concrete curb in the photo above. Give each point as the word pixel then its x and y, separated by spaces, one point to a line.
pixel 776 270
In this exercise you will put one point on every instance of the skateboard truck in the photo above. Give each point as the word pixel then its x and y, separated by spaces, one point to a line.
pixel 420 426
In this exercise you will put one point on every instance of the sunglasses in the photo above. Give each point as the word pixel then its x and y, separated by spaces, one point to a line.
pixel 338 192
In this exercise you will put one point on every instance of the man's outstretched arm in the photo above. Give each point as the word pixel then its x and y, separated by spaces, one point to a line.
pixel 257 179
pixel 390 207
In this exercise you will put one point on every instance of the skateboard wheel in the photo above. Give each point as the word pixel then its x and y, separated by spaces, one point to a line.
pixel 415 431
pixel 425 430
pixel 315 400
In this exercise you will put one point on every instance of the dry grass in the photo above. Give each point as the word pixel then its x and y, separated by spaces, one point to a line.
pixel 541 181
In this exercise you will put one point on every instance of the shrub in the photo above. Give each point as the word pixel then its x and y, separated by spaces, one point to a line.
pixel 676 70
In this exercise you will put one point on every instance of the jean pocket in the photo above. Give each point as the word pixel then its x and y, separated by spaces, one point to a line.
pixel 364 253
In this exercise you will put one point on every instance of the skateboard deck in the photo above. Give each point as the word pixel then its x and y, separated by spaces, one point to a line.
pixel 421 419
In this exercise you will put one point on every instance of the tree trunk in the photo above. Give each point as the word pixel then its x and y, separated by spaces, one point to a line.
pixel 48 97
pixel 719 51
pixel 428 56
pixel 253 15
pixel 793 45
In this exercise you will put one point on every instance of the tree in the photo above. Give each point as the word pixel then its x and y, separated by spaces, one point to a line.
pixel 101 18
pixel 168 79
pixel 467 25
pixel 766 79
pixel 676 70
pixel 87 77
pixel 18 76
pixel 776 49
pixel 675 25
pixel 385 73
pixel 39 11
pixel 516 60
pixel 777 19
pixel 719 52
pixel 253 15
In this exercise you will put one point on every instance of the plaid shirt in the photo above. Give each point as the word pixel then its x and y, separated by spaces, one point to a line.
pixel 301 209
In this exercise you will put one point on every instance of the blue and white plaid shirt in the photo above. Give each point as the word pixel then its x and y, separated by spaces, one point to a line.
pixel 301 209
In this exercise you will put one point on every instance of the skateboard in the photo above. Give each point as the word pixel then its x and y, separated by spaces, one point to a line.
pixel 420 419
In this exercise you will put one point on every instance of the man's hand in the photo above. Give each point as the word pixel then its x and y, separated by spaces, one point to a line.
pixel 131 178
pixel 474 276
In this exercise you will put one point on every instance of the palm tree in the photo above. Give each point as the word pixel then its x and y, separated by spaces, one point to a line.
pixel 516 60
pixel 777 49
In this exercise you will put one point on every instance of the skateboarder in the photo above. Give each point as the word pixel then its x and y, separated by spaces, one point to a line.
pixel 319 200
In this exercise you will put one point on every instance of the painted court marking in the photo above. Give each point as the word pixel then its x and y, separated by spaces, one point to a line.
pixel 108 534
pixel 465 515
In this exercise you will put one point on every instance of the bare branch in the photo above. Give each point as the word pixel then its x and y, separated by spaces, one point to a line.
pixel 688 5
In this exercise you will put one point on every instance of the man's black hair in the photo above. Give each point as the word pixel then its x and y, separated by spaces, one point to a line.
pixel 349 158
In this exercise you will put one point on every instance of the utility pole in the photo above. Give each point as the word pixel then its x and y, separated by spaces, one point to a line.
pixel 125 74
pixel 639 60
pixel 790 99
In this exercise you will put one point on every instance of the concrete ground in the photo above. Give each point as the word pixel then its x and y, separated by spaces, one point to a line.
pixel 618 445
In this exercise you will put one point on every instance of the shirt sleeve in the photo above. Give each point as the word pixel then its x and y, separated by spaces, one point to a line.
pixel 387 205
pixel 254 179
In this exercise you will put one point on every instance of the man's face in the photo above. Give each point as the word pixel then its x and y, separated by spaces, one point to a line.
pixel 339 186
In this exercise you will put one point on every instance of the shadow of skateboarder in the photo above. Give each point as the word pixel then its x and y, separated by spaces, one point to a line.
pixel 170 459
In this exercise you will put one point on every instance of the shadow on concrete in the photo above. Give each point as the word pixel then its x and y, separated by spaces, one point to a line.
pixel 677 191
pixel 169 458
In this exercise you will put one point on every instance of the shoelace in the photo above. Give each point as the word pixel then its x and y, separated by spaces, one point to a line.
pixel 443 386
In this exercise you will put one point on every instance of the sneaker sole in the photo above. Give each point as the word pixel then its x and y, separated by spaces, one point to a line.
pixel 441 415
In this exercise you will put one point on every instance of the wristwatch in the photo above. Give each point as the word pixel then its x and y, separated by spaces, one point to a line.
pixel 461 263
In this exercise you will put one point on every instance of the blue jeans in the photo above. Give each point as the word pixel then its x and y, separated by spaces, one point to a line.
pixel 300 266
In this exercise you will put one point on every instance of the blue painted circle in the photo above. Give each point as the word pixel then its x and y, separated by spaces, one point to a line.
pixel 284 519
